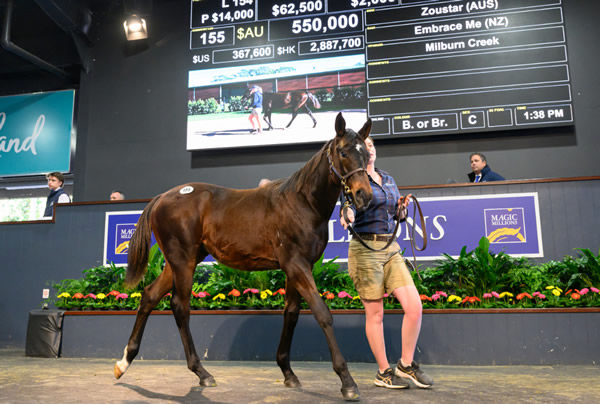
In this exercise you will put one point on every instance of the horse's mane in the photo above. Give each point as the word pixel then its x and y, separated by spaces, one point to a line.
pixel 305 175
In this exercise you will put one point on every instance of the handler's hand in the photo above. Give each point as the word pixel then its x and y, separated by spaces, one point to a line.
pixel 404 201
pixel 350 214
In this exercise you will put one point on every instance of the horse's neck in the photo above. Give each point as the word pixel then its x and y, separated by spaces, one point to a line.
pixel 316 182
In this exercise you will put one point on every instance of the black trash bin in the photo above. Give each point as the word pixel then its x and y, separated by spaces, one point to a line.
pixel 44 333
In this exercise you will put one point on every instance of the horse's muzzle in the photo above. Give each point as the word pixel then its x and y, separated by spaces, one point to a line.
pixel 362 199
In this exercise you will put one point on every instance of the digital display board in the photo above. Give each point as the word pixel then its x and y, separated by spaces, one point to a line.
pixel 416 68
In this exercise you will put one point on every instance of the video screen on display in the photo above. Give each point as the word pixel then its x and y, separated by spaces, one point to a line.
pixel 416 68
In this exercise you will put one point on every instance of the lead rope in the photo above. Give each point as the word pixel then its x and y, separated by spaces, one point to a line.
pixel 413 245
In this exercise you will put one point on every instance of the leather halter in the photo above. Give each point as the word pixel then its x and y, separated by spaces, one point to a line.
pixel 343 178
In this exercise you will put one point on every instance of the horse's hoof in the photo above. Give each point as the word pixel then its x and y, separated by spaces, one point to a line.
pixel 117 372
pixel 351 393
pixel 208 381
pixel 292 381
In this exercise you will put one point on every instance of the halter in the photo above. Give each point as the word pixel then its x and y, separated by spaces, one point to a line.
pixel 343 178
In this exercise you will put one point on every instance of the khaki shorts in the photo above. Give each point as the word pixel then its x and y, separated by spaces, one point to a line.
pixel 377 272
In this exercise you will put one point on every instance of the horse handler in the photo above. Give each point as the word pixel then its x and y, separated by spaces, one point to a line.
pixel 376 272
pixel 256 105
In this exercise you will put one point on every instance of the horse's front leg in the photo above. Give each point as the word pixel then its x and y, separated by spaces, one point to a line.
pixel 180 304
pixel 301 278
pixel 290 319
pixel 294 115
pixel 150 298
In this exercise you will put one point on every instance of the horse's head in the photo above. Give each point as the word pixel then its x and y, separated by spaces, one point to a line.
pixel 349 158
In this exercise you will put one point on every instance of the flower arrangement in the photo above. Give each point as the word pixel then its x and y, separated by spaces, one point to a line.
pixel 477 279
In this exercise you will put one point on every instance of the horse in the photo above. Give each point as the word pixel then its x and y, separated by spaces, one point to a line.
pixel 283 224
pixel 297 100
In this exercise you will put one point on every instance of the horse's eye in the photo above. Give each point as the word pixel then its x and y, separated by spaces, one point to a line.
pixel 343 154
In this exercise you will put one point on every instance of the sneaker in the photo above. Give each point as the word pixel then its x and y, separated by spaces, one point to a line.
pixel 389 380
pixel 415 374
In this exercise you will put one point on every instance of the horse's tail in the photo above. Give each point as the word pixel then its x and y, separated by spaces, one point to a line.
pixel 314 100
pixel 139 247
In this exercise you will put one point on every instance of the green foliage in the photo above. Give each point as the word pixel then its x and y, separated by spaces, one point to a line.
pixel 472 273
pixel 223 279
pixel 199 107
pixel 237 103
pixel 463 282
pixel 329 277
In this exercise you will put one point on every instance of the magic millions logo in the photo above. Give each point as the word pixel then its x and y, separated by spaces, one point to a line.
pixel 505 225
pixel 123 235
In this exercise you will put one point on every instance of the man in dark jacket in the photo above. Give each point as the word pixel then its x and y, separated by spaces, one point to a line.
pixel 481 171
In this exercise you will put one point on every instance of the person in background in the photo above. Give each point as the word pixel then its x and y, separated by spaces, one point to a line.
pixel 481 171
pixel 376 272
pixel 256 105
pixel 117 195
pixel 57 194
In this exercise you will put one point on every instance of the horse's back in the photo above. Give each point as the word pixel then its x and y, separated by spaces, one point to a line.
pixel 235 226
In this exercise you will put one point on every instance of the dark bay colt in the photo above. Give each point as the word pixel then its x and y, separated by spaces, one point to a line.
pixel 298 101
pixel 282 225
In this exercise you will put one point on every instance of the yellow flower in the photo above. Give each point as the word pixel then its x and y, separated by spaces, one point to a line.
pixel 100 296
pixel 549 287
pixel 219 296
pixel 265 293
pixel 453 298
pixel 556 291
pixel 64 295
pixel 504 294
pixel 136 294
pixel 356 297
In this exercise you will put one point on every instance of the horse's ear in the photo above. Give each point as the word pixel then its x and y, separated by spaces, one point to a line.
pixel 340 125
pixel 366 129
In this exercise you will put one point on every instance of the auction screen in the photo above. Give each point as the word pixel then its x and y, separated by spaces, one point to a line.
pixel 416 68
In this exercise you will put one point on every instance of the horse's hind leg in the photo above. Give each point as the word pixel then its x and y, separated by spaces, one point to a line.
pixel 300 277
pixel 180 304
pixel 290 318
pixel 150 298
pixel 309 112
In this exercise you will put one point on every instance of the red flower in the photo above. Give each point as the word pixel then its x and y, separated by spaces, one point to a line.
pixel 234 292
pixel 470 299
pixel 78 295
pixel 575 296
pixel 425 297
pixel 113 293
pixel 329 296
pixel 280 291
pixel 524 294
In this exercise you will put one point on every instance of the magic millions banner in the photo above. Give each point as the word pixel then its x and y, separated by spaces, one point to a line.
pixel 36 133
pixel 511 222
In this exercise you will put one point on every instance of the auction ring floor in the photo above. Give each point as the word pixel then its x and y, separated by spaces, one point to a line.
pixel 74 380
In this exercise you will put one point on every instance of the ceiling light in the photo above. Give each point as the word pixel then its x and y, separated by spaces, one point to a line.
pixel 135 28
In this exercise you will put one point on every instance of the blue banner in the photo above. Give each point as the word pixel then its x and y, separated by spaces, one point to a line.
pixel 35 133
pixel 510 221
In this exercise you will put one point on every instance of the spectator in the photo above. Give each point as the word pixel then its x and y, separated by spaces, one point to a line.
pixel 117 195
pixel 57 194
pixel 481 171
